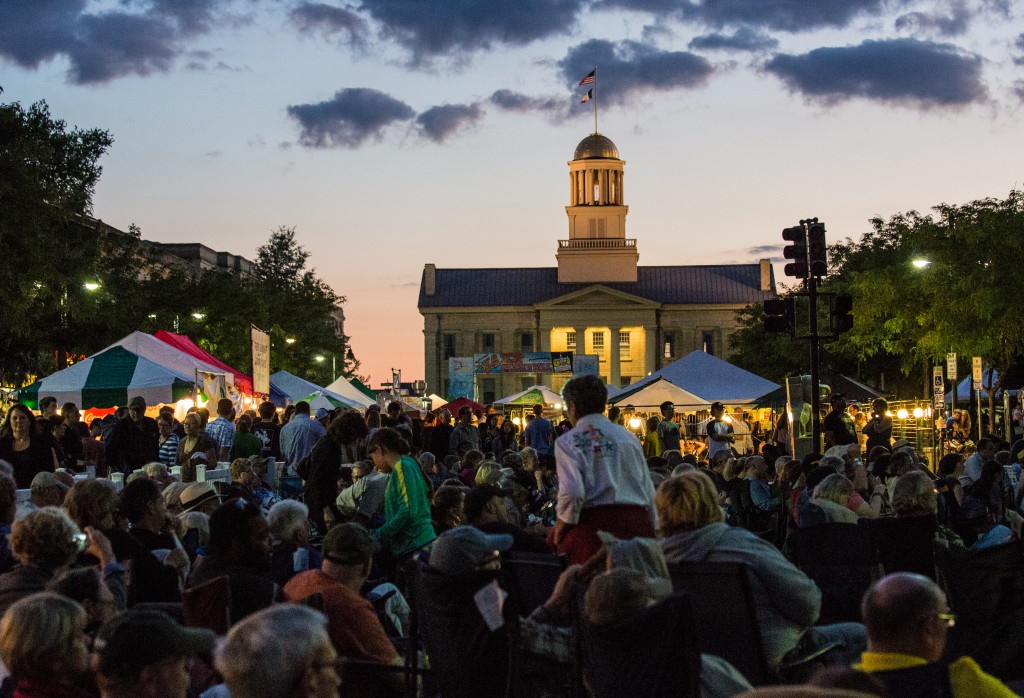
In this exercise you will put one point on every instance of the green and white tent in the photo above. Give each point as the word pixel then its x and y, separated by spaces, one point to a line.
pixel 531 396
pixel 110 379
pixel 330 401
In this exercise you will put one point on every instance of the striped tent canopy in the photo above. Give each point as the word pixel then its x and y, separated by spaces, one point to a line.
pixel 110 379
pixel 329 401
pixel 531 396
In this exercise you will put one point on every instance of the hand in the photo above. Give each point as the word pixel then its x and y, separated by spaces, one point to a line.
pixel 99 546
pixel 879 489
pixel 177 558
pixel 561 528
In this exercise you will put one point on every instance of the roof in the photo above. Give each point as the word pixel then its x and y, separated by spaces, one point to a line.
pixel 711 284
pixel 596 146
pixel 707 377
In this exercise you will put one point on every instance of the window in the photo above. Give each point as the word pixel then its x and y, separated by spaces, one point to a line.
pixel 487 391
pixel 487 342
pixel 449 345
pixel 624 346
pixel 670 345
pixel 597 340
pixel 570 340
pixel 707 340
pixel 526 341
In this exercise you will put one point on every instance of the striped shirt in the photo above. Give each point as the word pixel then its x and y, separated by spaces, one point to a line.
pixel 168 452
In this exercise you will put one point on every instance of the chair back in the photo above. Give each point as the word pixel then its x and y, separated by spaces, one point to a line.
pixel 927 681
pixel 904 544
pixel 531 577
pixel 838 557
pixel 725 617
pixel 655 654
pixel 208 605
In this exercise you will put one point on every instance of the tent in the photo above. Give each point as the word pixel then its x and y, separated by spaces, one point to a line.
pixel 531 396
pixel 183 343
pixel 436 401
pixel 989 376
pixel 347 390
pixel 325 400
pixel 709 378
pixel 362 388
pixel 164 354
pixel 110 379
pixel 652 395
pixel 296 389
pixel 457 404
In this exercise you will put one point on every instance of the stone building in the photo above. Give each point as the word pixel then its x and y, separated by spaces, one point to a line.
pixel 597 300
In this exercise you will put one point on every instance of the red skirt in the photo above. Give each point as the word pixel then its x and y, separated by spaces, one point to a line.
pixel 624 521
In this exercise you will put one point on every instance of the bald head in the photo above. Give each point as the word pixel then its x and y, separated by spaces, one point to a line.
pixel 901 614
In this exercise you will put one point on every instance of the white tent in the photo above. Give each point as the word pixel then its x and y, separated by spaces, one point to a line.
pixel 436 401
pixel 707 377
pixel 654 394
pixel 531 396
pixel 297 389
pixel 346 390
pixel 149 347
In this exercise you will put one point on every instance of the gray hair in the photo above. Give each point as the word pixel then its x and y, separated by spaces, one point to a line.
pixel 914 494
pixel 156 470
pixel 835 488
pixel 427 460
pixel 267 654
pixel 837 463
pixel 529 455
pixel 286 518
pixel 199 521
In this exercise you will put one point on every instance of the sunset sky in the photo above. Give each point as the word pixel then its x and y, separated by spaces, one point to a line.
pixel 392 133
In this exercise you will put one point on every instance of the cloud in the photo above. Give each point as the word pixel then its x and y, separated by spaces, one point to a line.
pixel 115 44
pixel 898 71
pixel 629 67
pixel 743 39
pixel 954 24
pixel 762 250
pixel 32 32
pixel 213 153
pixel 350 118
pixel 439 123
pixel 432 30
pixel 329 20
pixel 509 100
pixel 785 15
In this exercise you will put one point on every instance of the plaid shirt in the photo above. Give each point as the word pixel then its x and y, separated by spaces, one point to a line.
pixel 222 431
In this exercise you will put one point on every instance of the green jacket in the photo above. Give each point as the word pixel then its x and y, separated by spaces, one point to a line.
pixel 406 510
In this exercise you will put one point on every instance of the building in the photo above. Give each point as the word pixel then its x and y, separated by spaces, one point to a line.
pixel 597 300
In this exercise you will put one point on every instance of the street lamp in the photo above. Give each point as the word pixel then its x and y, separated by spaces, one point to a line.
pixel 289 340
pixel 91 286
pixel 920 263
pixel 198 316
pixel 319 358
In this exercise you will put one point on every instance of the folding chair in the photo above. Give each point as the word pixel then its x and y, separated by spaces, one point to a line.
pixel 838 557
pixel 531 577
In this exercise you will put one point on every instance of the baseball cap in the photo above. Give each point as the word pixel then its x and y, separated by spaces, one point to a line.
pixel 717 405
pixel 197 493
pixel 137 402
pixel 46 480
pixel 136 639
pixel 348 544
pixel 463 548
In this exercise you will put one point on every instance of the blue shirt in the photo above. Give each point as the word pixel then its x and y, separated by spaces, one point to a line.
pixel 299 436
pixel 538 434
pixel 222 431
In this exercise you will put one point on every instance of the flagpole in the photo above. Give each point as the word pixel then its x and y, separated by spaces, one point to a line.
pixel 595 99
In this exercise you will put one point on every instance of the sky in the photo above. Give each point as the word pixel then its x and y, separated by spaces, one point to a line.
pixel 393 133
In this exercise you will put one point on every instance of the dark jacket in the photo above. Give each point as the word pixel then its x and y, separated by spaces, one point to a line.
pixel 22 581
pixel 439 437
pixel 149 579
pixel 132 445
pixel 251 590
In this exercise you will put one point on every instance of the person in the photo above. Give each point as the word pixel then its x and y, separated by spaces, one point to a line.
pixel 245 444
pixel 406 526
pixel 200 496
pixel 838 424
pixel 325 468
pixel 281 652
pixel 352 623
pixel 239 549
pixel 363 500
pixel 464 437
pixel 744 442
pixel 719 432
pixel 268 431
pixel 505 439
pixel 44 646
pixel 167 450
pixel 484 507
pixel 85 586
pixel 878 429
pixel 27 452
pixel 134 440
pixel 786 600
pixel 46 490
pixel 195 443
pixel 145 654
pixel 441 434
pixel 396 416
pixel 94 451
pixel 652 443
pixel 973 466
pixel 908 620
pixel 603 479
pixel 48 407
pixel 290 552
pixel 222 428
pixel 300 434
pixel 142 503
pixel 668 430
pixel 8 511
pixel 447 508
pixel 74 431
pixel 540 435
pixel 831 497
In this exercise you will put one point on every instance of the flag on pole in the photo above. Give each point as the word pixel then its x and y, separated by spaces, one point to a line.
pixel 590 78
pixel 587 97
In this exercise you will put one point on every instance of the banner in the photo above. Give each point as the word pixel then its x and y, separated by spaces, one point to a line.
pixel 260 363
pixel 460 377
pixel 520 362
pixel 214 385
pixel 586 365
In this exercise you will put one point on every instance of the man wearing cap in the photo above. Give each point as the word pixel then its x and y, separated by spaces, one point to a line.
pixel 142 654
pixel 47 491
pixel 352 622
pixel 484 507
pixel 300 434
pixel 838 423
pixel 222 429
pixel 134 440
pixel 720 432
pixel 603 480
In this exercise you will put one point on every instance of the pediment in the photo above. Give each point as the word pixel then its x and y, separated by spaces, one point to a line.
pixel 598 296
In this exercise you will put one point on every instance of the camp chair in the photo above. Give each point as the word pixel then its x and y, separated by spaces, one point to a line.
pixel 208 605
pixel 838 557
pixel 531 577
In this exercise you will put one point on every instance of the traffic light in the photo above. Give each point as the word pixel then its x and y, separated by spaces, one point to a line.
pixel 779 315
pixel 839 313
pixel 797 251
pixel 817 250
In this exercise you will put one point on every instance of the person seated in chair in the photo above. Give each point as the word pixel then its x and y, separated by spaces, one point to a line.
pixel 907 620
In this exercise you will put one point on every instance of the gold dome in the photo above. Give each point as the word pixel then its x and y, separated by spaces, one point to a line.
pixel 596 146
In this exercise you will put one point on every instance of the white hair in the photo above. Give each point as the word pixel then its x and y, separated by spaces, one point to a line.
pixel 286 519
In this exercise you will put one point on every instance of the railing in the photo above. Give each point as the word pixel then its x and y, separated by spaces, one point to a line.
pixel 596 243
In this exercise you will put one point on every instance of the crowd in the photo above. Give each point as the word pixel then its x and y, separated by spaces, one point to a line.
pixel 396 567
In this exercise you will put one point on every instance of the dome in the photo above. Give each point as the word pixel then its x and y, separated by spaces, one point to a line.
pixel 596 146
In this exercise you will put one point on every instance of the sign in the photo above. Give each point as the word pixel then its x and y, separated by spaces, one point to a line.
pixel 260 363
pixel 586 365
pixel 460 377
pixel 976 372
pixel 951 367
pixel 938 389
pixel 523 362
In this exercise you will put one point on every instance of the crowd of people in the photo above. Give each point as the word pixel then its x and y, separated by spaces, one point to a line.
pixel 175 586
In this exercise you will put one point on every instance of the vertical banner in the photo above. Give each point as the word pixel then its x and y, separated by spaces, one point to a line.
pixel 460 377
pixel 260 363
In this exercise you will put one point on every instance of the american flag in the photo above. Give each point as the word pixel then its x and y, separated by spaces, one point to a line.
pixel 590 78
pixel 587 97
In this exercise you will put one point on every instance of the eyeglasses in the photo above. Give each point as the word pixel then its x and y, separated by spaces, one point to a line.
pixel 949 618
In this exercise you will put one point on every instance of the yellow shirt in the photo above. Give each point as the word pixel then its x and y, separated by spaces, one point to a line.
pixel 652 445
pixel 965 676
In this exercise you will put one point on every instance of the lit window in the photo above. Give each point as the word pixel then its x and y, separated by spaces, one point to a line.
pixel 670 345
pixel 624 345
pixel 597 340
pixel 570 340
